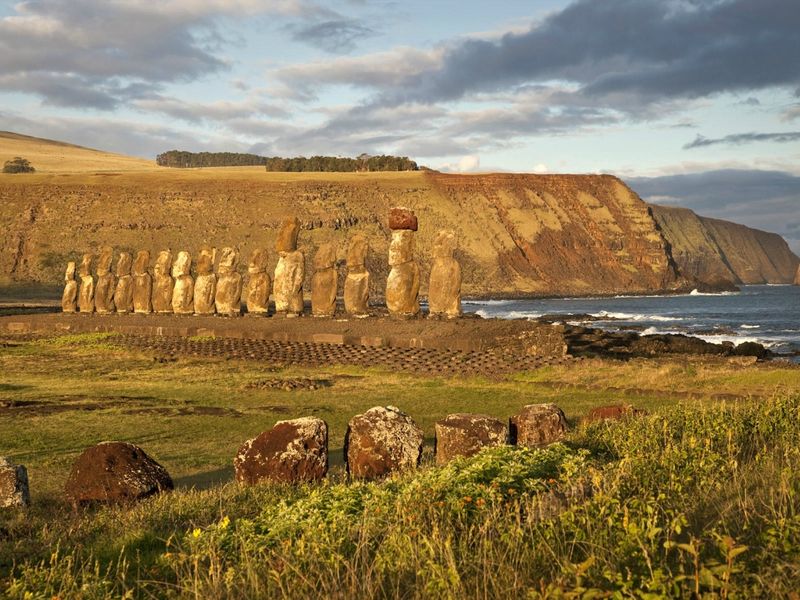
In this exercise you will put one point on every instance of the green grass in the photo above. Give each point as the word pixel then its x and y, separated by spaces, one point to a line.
pixel 701 495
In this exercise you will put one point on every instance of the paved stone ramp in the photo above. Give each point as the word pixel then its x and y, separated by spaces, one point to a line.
pixel 425 361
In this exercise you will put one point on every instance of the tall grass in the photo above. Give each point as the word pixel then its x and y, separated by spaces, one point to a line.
pixel 688 503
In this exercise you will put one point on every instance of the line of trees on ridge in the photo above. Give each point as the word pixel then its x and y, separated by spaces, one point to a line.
pixel 183 159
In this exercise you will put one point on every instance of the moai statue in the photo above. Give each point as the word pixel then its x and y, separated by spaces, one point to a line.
pixel 162 283
pixel 69 299
pixel 402 285
pixel 323 283
pixel 106 282
pixel 229 284
pixel 444 289
pixel 183 291
pixel 142 284
pixel 86 294
pixel 356 285
pixel 289 274
pixel 123 294
pixel 205 285
pixel 258 284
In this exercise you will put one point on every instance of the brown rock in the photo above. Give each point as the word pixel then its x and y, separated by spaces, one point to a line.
pixel 142 284
pixel 287 236
pixel 13 484
pixel 402 218
pixel 205 284
pixel 324 282
pixel 69 299
pixel 538 425
pixel 162 283
pixel 106 282
pixel 115 472
pixel 258 283
pixel 797 276
pixel 291 452
pixel 288 283
pixel 465 434
pixel 444 289
pixel 86 294
pixel 229 284
pixel 613 412
pixel 381 441
pixel 183 290
pixel 123 294
pixel 356 284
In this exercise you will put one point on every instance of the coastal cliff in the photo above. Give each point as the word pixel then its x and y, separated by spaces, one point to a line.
pixel 712 250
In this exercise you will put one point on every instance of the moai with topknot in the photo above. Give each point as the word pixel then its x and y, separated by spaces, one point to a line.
pixel 258 283
pixel 324 282
pixel 162 283
pixel 402 285
pixel 205 285
pixel 444 289
pixel 289 274
pixel 106 282
pixel 356 284
pixel 86 294
pixel 123 294
pixel 142 284
pixel 183 290
pixel 69 299
pixel 229 284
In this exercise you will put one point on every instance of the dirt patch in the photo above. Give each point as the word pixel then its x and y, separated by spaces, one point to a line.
pixel 302 383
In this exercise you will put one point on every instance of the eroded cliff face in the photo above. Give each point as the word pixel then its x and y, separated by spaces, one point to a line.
pixel 712 250
pixel 517 234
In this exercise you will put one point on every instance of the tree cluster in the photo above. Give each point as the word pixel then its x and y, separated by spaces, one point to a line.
pixel 18 165
pixel 184 159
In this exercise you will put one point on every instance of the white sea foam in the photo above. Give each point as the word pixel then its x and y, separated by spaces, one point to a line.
pixel 746 326
pixel 696 292
pixel 511 314
pixel 621 316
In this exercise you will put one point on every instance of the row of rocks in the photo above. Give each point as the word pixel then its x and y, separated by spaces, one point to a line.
pixel 172 289
pixel 381 441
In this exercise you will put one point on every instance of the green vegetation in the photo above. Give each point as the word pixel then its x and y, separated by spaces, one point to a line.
pixel 18 165
pixel 701 498
pixel 184 159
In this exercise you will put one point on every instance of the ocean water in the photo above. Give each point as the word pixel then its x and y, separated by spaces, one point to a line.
pixel 768 314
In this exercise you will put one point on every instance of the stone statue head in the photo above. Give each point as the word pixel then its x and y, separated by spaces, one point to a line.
pixel 124 264
pixel 86 266
pixel 357 251
pixel 445 244
pixel 287 236
pixel 228 260
pixel 163 262
pixel 142 262
pixel 205 261
pixel 258 261
pixel 69 275
pixel 104 260
pixel 325 257
pixel 182 264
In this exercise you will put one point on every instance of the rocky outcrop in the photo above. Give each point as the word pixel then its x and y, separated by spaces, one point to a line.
pixel 291 452
pixel 538 425
pixel 464 434
pixel 797 276
pixel 14 490
pixel 115 472
pixel 381 441
pixel 711 250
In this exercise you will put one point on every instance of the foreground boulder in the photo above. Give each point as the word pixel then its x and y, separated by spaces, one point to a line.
pixel 115 472
pixel 538 425
pixel 614 412
pixel 463 434
pixel 381 441
pixel 13 484
pixel 292 451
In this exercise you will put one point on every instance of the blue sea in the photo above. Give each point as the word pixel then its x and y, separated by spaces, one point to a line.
pixel 768 314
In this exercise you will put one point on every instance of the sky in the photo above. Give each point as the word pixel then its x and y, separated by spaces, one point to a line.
pixel 695 103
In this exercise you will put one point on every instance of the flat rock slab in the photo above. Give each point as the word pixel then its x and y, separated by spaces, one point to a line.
pixel 464 434
pixel 115 472
pixel 538 425
pixel 13 484
pixel 381 441
pixel 291 452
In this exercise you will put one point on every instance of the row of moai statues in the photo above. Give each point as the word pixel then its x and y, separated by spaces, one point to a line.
pixel 171 288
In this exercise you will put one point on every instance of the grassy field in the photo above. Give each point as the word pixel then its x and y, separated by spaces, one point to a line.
pixel 700 497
